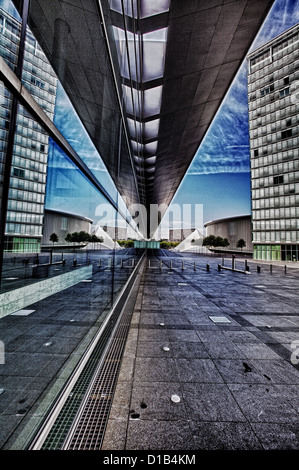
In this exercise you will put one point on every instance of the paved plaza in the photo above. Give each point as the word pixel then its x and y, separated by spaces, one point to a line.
pixel 210 362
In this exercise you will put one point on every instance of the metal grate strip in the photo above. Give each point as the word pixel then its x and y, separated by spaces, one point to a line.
pixel 89 432
pixel 59 430
pixel 104 360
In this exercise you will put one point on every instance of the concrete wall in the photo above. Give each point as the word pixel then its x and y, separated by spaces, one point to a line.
pixel 20 298
pixel 233 229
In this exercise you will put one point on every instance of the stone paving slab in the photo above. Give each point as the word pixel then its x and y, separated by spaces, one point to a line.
pixel 236 383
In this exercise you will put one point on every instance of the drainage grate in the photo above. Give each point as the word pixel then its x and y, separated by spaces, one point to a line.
pixel 94 386
pixel 63 422
pixel 22 313
pixel 220 320
pixel 88 431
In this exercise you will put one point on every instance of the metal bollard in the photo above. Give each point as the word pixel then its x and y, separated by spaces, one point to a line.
pixel 219 267
pixel 258 269
pixel 171 264
pixel 208 267
pixel 233 262
pixel 99 262
pixel 160 264
pixel 271 268
pixel 194 266
pixel 75 263
pixel 149 263
pixel 285 269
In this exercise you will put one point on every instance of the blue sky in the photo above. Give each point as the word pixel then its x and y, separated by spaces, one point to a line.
pixel 218 176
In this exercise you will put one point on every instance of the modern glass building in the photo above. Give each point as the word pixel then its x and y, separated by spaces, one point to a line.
pixel 274 147
pixel 25 210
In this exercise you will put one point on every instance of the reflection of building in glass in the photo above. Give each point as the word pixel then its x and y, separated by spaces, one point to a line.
pixel 63 223
pixel 116 233
pixel 24 223
pixel 273 121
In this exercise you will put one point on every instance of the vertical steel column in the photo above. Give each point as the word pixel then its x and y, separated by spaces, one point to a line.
pixel 11 136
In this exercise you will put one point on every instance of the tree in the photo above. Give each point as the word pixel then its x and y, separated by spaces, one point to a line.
pixel 212 241
pixel 225 243
pixel 241 243
pixel 84 236
pixel 68 238
pixel 54 238
pixel 218 241
pixel 209 241
pixel 95 239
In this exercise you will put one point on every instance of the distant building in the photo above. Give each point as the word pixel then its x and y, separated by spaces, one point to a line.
pixel 63 223
pixel 29 167
pixel 116 233
pixel 232 228
pixel 178 235
pixel 273 77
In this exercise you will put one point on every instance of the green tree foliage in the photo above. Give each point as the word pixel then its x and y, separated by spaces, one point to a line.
pixel 83 237
pixel 54 238
pixel 241 243
pixel 225 243
pixel 167 245
pixel 126 243
pixel 95 239
pixel 68 238
pixel 212 241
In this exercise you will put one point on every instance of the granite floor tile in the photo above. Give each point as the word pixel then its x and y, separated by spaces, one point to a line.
pixel 197 370
pixel 152 401
pixel 257 351
pixel 227 436
pixel 227 350
pixel 278 371
pixel 239 371
pixel 155 369
pixel 165 435
pixel 210 402
pixel 274 437
pixel 187 349
pixel 263 403
pixel 152 349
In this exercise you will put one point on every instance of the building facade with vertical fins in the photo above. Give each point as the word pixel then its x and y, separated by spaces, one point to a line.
pixel 273 80
pixel 24 223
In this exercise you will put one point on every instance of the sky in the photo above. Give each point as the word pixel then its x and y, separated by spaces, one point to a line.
pixel 219 175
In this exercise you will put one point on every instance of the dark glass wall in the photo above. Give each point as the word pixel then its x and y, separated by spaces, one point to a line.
pixel 65 248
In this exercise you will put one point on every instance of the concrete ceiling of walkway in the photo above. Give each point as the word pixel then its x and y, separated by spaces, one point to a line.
pixel 205 42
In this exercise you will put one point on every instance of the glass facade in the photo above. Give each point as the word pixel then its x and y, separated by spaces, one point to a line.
pixel 67 235
pixel 24 220
pixel 274 146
